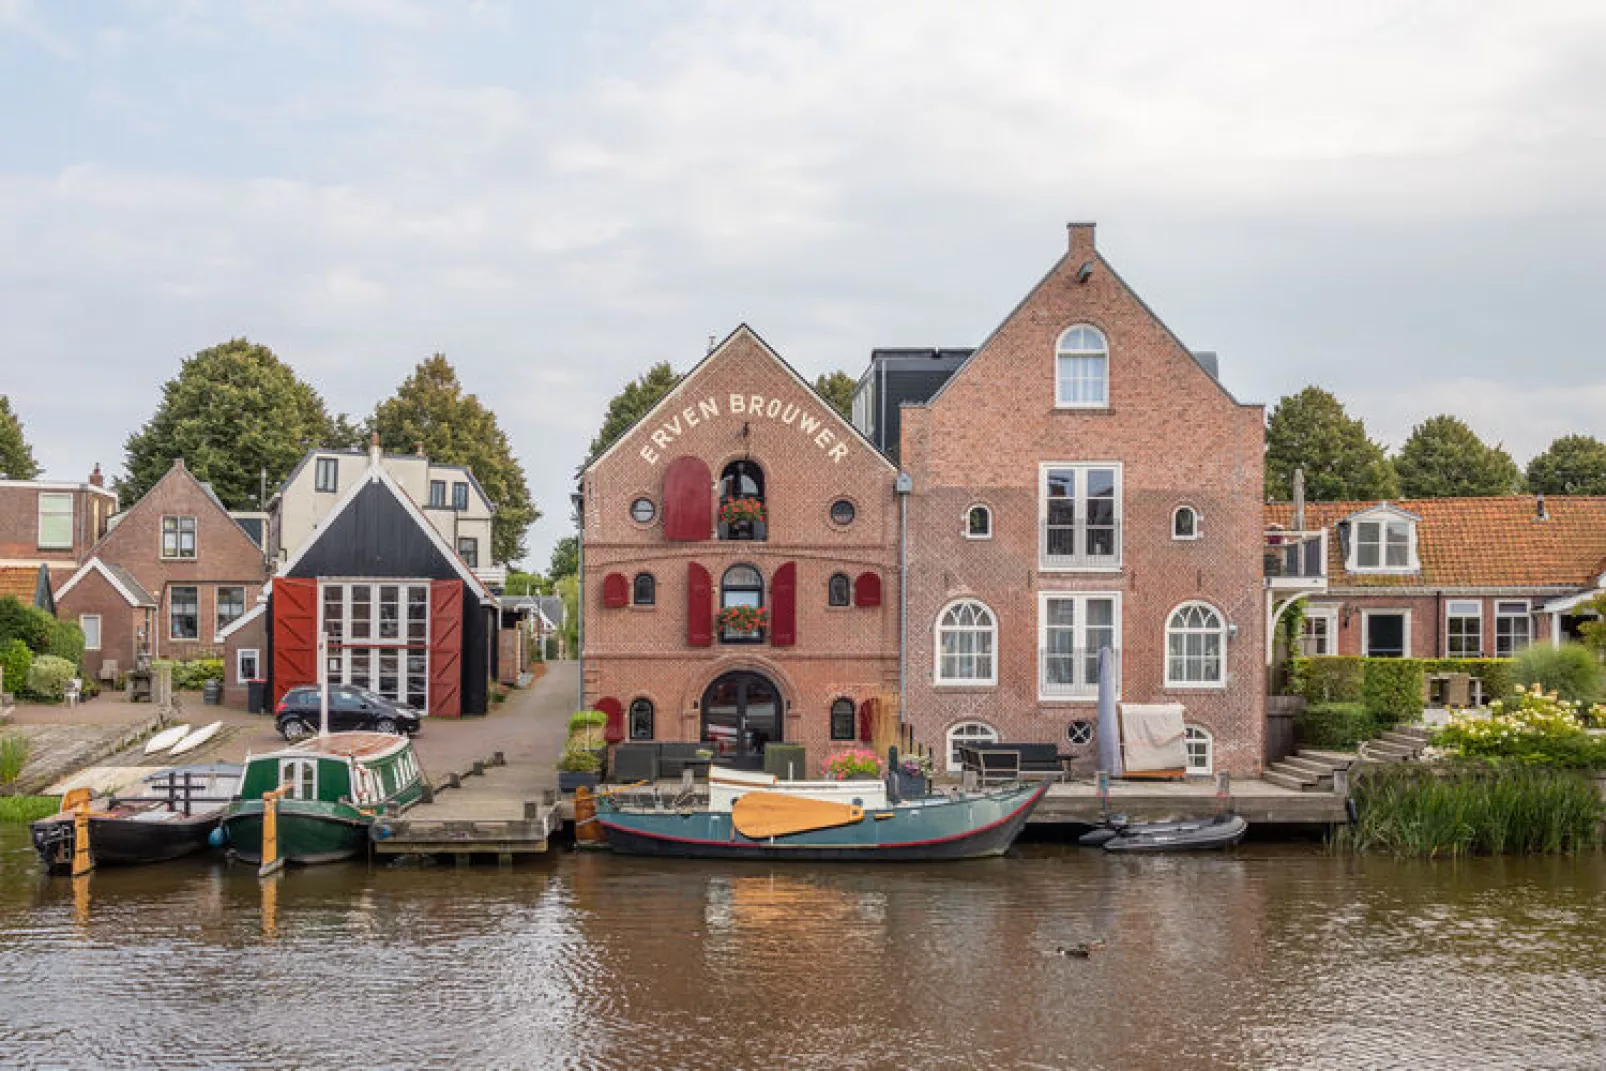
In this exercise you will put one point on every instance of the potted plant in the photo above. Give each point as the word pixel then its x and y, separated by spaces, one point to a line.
pixel 743 619
pixel 913 775
pixel 855 764
pixel 578 767
pixel 748 511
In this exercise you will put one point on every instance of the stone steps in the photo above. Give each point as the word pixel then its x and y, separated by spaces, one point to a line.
pixel 1305 778
pixel 1283 780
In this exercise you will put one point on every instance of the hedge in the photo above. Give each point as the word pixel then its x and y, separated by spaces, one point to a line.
pixel 15 659
pixel 1337 725
pixel 1328 679
pixel 1342 679
pixel 1499 675
pixel 29 624
pixel 1391 688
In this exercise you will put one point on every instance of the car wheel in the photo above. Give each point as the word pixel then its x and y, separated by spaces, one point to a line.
pixel 387 725
pixel 295 729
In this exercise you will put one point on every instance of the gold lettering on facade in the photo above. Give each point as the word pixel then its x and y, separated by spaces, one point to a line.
pixel 748 406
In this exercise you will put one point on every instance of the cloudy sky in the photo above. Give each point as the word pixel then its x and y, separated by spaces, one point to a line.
pixel 1402 202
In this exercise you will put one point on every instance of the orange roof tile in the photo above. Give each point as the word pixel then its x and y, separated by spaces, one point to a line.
pixel 19 581
pixel 1479 542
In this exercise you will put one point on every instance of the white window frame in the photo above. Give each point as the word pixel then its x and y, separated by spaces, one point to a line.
pixel 1221 632
pixel 1366 629
pixel 350 657
pixel 1461 609
pixel 1384 520
pixel 239 664
pixel 54 500
pixel 937 677
pixel 1090 563
pixel 989 734
pixel 1198 734
pixel 1198 523
pixel 172 613
pixel 1327 614
pixel 964 522
pixel 178 554
pixel 1078 350
pixel 295 773
pixel 83 623
pixel 1501 613
pixel 1085 691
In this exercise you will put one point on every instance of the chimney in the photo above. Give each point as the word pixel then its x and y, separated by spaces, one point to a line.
pixel 1540 513
pixel 373 449
pixel 1299 500
pixel 1081 235
pixel 95 478
pixel 418 448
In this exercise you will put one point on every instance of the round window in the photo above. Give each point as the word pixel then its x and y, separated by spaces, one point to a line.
pixel 842 512
pixel 1079 732
pixel 642 511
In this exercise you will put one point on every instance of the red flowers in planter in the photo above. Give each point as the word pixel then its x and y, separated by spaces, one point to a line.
pixel 736 510
pixel 743 618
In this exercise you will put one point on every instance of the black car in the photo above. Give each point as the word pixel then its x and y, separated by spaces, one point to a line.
pixel 350 708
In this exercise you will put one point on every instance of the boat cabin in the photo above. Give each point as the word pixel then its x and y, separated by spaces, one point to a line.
pixel 363 769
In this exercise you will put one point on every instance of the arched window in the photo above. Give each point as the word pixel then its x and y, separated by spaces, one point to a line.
pixel 741 591
pixel 843 724
pixel 1201 750
pixel 1082 369
pixel 967 734
pixel 641 727
pixel 644 590
pixel 966 639
pixel 978 523
pixel 1185 523
pixel 1195 647
pixel 742 514
pixel 839 590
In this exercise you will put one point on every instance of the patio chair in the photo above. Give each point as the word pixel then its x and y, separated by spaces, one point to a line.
pixel 73 692
pixel 108 670
pixel 1458 690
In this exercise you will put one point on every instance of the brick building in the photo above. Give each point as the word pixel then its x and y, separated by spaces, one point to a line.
pixel 171 571
pixel 669 572
pixel 1083 480
pixel 45 522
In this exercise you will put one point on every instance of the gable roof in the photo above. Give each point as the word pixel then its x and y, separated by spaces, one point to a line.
pixel 1478 542
pixel 121 580
pixel 742 331
pixel 473 480
pixel 29 585
pixel 178 470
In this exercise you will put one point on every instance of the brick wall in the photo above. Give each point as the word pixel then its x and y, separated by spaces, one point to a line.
pixel 19 522
pixel 120 623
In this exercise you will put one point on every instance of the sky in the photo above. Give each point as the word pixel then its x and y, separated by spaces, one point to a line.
pixel 1404 203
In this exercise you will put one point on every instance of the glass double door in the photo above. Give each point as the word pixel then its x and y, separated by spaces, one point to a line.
pixel 741 714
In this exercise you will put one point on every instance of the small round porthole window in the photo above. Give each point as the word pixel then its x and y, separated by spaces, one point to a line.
pixel 643 510
pixel 842 512
pixel 1079 732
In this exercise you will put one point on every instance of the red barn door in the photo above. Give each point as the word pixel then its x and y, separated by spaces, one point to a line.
pixel 446 639
pixel 295 634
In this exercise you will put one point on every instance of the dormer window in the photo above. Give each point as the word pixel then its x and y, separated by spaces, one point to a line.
pixel 1383 542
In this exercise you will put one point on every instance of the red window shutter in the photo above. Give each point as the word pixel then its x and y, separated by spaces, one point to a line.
pixel 615 590
pixel 867 590
pixel 295 633
pixel 867 721
pixel 446 648
pixel 783 606
pixel 614 730
pixel 699 606
pixel 688 500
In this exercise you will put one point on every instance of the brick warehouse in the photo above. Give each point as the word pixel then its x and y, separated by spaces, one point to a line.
pixel 660 564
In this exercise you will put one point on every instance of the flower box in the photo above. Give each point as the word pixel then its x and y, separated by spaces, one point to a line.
pixel 742 511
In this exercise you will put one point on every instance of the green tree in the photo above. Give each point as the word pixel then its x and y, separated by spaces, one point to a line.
pixel 1311 431
pixel 568 588
pixel 16 456
pixel 632 403
pixel 522 583
pixel 231 412
pixel 430 408
pixel 837 388
pixel 1573 465
pixel 1444 458
pixel 565 558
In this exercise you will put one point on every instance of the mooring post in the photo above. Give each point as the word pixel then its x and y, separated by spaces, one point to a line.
pixel 1104 794
pixel 1341 783
pixel 1223 792
pixel 479 768
pixel 82 861
pixel 498 759
pixel 272 862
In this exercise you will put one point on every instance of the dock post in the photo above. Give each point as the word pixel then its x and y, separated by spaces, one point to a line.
pixel 587 830
pixel 272 862
pixel 1104 794
pixel 498 759
pixel 82 861
pixel 479 768
pixel 1223 792
pixel 1341 783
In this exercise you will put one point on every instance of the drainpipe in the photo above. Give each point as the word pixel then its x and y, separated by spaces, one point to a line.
pixel 903 485
pixel 579 500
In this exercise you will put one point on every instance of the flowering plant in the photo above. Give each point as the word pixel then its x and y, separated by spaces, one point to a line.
pixel 1531 726
pixel 851 764
pixel 741 509
pixel 915 765
pixel 743 618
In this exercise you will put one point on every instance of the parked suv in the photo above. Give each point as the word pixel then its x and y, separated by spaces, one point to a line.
pixel 350 708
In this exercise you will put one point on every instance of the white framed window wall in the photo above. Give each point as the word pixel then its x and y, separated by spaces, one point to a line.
pixel 90 623
pixel 1079 515
pixel 1513 628
pixel 1200 747
pixel 1196 647
pixel 967 644
pixel 1463 628
pixel 379 635
pixel 967 734
pixel 1318 632
pixel 1082 369
pixel 1071 628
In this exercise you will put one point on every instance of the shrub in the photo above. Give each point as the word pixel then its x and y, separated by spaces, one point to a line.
pixel 580 760
pixel 1339 725
pixel 66 641
pixel 1571 670
pixel 1391 688
pixel 13 757
pixel 1532 728
pixel 15 659
pixel 29 624
pixel 48 677
pixel 192 676
pixel 580 719
pixel 1328 679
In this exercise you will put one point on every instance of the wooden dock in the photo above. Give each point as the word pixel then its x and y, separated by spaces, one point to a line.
pixel 490 809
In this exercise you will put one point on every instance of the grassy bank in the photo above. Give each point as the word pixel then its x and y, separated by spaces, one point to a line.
pixel 27 808
pixel 1431 812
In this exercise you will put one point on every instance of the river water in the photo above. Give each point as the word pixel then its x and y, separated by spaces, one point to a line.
pixel 1269 957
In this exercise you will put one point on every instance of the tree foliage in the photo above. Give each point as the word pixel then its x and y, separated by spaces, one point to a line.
pixel 632 403
pixel 16 456
pixel 231 412
pixel 837 388
pixel 455 428
pixel 1444 458
pixel 1311 431
pixel 1572 465
pixel 565 558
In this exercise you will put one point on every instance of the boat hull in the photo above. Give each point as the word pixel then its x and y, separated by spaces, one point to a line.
pixel 310 832
pixel 1201 836
pixel 117 841
pixel 937 829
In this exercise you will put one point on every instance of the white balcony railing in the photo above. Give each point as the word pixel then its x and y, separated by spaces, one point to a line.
pixel 1296 559
pixel 1073 674
pixel 1081 545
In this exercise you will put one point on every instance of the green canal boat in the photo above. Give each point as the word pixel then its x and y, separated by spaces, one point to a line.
pixel 336 786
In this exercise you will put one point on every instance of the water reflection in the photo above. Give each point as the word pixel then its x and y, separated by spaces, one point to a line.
pixel 1265 958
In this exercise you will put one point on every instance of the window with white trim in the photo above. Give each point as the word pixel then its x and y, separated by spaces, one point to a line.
pixel 184 613
pixel 1196 642
pixel 978 522
pixel 1185 523
pixel 967 637
pixel 1082 369
pixel 55 521
pixel 379 637
pixel 178 538
pixel 1513 628
pixel 90 623
pixel 1080 514
pixel 247 665
pixel 302 777
pixel 967 734
pixel 1200 747
pixel 1463 628
pixel 1071 628
pixel 1382 544
pixel 1318 632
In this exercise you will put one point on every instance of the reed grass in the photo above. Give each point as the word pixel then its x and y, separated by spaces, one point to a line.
pixel 13 757
pixel 20 809
pixel 1428 812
